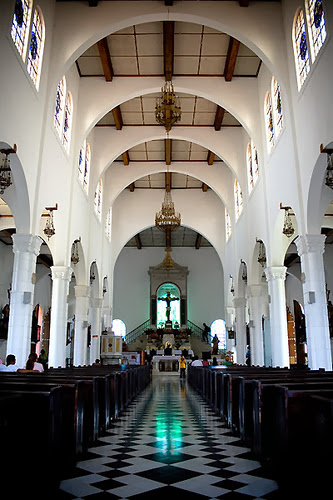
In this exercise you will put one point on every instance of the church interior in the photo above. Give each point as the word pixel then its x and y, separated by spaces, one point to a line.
pixel 166 177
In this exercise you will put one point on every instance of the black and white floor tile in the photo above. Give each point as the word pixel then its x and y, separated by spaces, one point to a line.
pixel 168 443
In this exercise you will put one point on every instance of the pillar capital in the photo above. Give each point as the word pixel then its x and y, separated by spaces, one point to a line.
pixel 275 273
pixel 254 290
pixel 82 291
pixel 310 243
pixel 61 273
pixel 239 302
pixel 27 243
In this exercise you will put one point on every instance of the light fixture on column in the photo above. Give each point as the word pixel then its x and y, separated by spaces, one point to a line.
pixel 244 271
pixel 232 290
pixel 5 170
pixel 105 285
pixel 329 171
pixel 288 228
pixel 92 272
pixel 167 109
pixel 75 259
pixel 49 228
pixel 262 253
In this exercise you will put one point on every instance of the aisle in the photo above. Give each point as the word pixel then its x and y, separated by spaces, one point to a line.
pixel 168 442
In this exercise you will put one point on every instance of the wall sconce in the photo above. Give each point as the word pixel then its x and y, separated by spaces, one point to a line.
pixel 244 271
pixel 288 228
pixel 5 170
pixel 92 273
pixel 49 229
pixel 329 168
pixel 75 259
pixel 262 253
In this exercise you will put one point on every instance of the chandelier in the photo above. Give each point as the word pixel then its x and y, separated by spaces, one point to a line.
pixel 262 253
pixel 49 229
pixel 75 259
pixel 167 218
pixel 167 262
pixel 288 228
pixel 5 170
pixel 329 171
pixel 167 109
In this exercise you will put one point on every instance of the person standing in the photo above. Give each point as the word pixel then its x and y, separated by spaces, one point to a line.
pixel 182 366
pixel 205 332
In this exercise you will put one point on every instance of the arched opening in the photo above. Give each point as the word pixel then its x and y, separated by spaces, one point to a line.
pixel 119 328
pixel 218 328
pixel 36 329
pixel 168 305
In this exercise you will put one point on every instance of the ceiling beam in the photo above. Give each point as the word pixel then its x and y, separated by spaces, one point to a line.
pixel 168 181
pixel 132 187
pixel 138 242
pixel 104 54
pixel 204 187
pixel 118 119
pixel 168 150
pixel 230 62
pixel 210 158
pixel 219 115
pixel 126 159
pixel 168 48
pixel 198 241
pixel 244 3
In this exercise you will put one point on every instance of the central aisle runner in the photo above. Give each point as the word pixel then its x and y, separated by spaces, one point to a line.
pixel 168 443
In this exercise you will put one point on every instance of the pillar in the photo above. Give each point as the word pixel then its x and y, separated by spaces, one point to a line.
pixel 26 248
pixel 310 248
pixel 276 276
pixel 96 327
pixel 61 276
pixel 82 293
pixel 239 304
pixel 254 293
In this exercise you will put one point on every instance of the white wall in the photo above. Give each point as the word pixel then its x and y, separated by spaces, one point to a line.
pixel 132 285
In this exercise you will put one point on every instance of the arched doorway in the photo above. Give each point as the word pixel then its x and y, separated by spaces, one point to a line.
pixel 36 329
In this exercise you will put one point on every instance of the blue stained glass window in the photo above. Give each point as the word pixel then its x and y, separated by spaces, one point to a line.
pixel 60 105
pixel 36 48
pixel 316 24
pixel 20 25
pixel 66 134
pixel 301 48
pixel 19 13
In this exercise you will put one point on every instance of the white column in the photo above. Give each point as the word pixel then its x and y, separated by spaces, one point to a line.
pixel 107 318
pixel 82 293
pixel 96 326
pixel 240 304
pixel 276 276
pixel 254 293
pixel 311 247
pixel 26 248
pixel 61 276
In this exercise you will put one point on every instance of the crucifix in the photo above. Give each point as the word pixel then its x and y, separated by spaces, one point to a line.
pixel 168 301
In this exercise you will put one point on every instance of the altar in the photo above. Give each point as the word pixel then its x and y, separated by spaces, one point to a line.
pixel 165 365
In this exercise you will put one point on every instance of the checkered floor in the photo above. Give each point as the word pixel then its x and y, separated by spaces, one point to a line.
pixel 168 443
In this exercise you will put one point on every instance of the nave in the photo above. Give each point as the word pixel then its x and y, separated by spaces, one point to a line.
pixel 168 444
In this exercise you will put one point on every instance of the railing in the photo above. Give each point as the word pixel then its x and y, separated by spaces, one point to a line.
pixel 197 331
pixel 137 332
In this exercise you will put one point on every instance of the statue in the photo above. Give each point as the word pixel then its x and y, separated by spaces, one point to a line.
pixel 168 301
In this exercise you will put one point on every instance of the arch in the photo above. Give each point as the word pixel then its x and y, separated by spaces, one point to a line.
pixel 18 202
pixel 280 242
pixel 119 328
pixel 36 49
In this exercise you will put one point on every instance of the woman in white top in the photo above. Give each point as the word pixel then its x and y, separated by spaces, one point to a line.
pixel 32 363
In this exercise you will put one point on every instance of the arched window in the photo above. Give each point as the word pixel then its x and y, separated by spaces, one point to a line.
pixel 252 165
pixel 119 328
pixel 228 227
pixel 316 25
pixel 301 51
pixel 36 49
pixel 108 224
pixel 277 107
pixel 20 25
pixel 98 199
pixel 238 199
pixel 269 121
pixel 84 165
pixel 60 105
pixel 219 328
pixel 67 127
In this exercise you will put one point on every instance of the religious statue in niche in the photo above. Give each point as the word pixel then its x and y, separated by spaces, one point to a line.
pixel 168 299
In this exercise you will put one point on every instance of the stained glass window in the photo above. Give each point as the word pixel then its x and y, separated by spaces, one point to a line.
pixel 98 199
pixel 108 224
pixel 277 107
pixel 81 162
pixel 252 165
pixel 316 25
pixel 86 169
pixel 228 227
pixel 20 25
pixel 36 48
pixel 119 328
pixel 238 199
pixel 301 49
pixel 60 105
pixel 269 121
pixel 67 126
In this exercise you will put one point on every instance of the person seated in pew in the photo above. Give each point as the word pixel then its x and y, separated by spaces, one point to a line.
pixel 11 365
pixel 32 363
pixel 196 361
